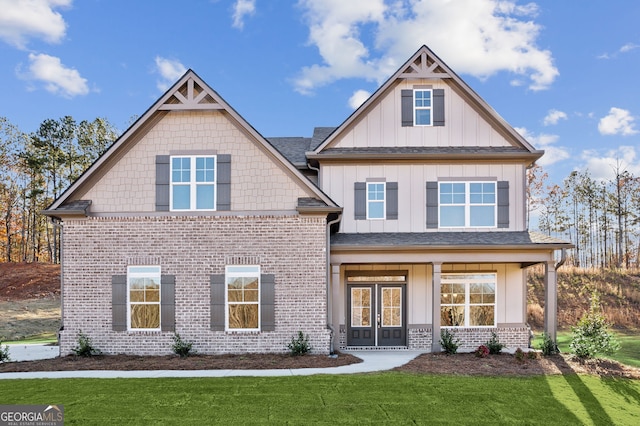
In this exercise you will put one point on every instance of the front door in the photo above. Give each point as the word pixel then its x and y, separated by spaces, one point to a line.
pixel 377 315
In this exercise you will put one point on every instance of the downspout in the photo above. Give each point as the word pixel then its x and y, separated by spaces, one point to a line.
pixel 328 286
pixel 563 258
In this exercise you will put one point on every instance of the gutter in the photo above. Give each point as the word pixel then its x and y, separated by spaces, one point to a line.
pixel 328 283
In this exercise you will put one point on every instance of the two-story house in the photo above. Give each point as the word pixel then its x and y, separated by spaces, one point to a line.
pixel 406 219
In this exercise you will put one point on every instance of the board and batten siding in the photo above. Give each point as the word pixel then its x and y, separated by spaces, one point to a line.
pixel 381 125
pixel 258 183
pixel 338 180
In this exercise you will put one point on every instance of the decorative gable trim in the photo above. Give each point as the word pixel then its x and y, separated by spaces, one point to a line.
pixel 191 96
pixel 425 65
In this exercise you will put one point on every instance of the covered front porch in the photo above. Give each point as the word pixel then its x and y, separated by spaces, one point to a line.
pixel 400 291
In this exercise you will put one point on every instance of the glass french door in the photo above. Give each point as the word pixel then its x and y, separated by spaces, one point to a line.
pixel 377 315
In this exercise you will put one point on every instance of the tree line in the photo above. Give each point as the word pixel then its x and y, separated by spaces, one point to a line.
pixel 600 217
pixel 35 168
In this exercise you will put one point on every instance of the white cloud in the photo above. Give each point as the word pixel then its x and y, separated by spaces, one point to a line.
pixel 477 37
pixel 552 153
pixel 628 47
pixel 57 78
pixel 21 20
pixel 170 70
pixel 358 98
pixel 618 122
pixel 603 167
pixel 241 9
pixel 553 117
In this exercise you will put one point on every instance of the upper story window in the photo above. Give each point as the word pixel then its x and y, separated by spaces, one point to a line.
pixel 376 200
pixel 243 297
pixel 422 107
pixel 193 183
pixel 143 297
pixel 467 204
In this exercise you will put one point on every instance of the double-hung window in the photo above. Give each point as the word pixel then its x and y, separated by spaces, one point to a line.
pixel 143 297
pixel 376 200
pixel 467 204
pixel 243 297
pixel 468 300
pixel 422 107
pixel 193 183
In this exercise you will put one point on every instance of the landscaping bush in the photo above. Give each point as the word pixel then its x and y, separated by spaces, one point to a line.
pixel 299 345
pixel 482 351
pixel 181 347
pixel 548 346
pixel 85 347
pixel 519 355
pixel 494 345
pixel 591 336
pixel 449 342
pixel 4 353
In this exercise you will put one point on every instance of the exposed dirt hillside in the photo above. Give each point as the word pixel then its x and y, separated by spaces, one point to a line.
pixel 19 281
pixel 619 296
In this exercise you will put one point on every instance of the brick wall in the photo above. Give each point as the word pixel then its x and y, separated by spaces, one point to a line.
pixel 192 248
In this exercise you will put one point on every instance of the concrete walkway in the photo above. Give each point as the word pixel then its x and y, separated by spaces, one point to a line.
pixel 379 360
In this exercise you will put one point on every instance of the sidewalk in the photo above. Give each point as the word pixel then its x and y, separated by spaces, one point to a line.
pixel 379 360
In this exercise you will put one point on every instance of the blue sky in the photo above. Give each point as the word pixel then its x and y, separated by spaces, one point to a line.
pixel 564 73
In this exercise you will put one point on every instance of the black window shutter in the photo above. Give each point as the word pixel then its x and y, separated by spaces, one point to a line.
pixel 406 105
pixel 223 201
pixel 119 302
pixel 503 204
pixel 267 302
pixel 392 200
pixel 163 173
pixel 438 107
pixel 360 200
pixel 168 303
pixel 432 205
pixel 217 302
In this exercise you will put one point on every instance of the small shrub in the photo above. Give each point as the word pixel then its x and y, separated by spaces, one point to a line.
pixel 4 353
pixel 494 345
pixel 482 351
pixel 449 342
pixel 519 355
pixel 591 337
pixel 180 347
pixel 299 345
pixel 85 347
pixel 548 346
pixel 532 355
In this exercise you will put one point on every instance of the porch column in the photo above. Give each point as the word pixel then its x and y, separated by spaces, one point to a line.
pixel 550 300
pixel 334 298
pixel 435 308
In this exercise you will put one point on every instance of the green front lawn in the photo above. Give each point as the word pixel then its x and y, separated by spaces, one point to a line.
pixel 391 398
pixel 628 354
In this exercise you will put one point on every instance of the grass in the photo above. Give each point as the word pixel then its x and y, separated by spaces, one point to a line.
pixel 391 398
pixel 44 338
pixel 628 354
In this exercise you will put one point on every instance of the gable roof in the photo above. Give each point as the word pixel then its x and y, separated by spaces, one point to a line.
pixel 190 92
pixel 425 64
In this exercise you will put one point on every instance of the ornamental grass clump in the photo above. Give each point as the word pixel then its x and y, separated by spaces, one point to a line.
pixel 591 337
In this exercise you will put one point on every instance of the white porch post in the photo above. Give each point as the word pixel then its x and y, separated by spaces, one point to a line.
pixel 551 301
pixel 435 308
pixel 334 297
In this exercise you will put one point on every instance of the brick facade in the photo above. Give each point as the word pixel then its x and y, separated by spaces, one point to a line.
pixel 191 248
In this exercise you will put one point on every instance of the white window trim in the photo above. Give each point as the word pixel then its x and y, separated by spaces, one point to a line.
pixel 192 182
pixel 227 273
pixel 415 108
pixel 157 274
pixel 384 200
pixel 467 304
pixel 467 205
